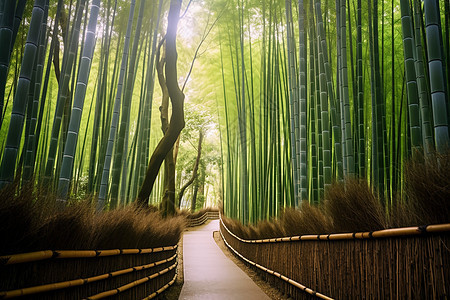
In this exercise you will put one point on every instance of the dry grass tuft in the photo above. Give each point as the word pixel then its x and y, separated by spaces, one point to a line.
pixel 353 207
pixel 30 223
pixel 309 220
pixel 427 187
pixel 16 215
pixel 237 228
pixel 267 229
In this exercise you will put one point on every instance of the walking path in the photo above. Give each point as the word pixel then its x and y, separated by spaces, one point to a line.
pixel 209 274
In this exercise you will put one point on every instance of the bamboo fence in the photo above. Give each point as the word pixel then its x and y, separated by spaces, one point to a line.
pixel 400 263
pixel 88 274
pixel 209 215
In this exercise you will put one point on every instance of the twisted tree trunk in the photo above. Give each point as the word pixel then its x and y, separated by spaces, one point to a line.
pixel 177 101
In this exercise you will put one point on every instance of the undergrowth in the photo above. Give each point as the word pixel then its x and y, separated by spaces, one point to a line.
pixel 30 221
pixel 352 206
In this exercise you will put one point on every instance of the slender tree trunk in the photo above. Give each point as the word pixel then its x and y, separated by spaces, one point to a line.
pixel 195 169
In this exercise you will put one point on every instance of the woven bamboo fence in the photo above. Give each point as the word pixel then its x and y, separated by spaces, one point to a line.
pixel 400 263
pixel 88 274
pixel 209 215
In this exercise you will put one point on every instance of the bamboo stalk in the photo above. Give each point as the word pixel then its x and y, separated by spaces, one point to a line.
pixel 77 282
pixel 47 254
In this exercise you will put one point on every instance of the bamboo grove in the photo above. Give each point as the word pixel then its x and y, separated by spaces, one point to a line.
pixel 44 138
pixel 319 91
pixel 305 93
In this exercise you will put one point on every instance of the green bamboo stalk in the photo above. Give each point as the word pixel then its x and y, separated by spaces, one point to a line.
pixel 100 105
pixel 242 116
pixel 13 139
pixel 7 8
pixel 40 58
pixel 313 121
pixel 437 74
pixel 63 91
pixel 411 83
pixel 425 113
pixel 80 93
pixel 47 75
pixel 326 136
pixel 79 170
pixel 20 8
pixel 318 117
pixel 294 104
pixel 115 119
pixel 302 101
pixel 126 106
pixel 146 125
pixel 360 93
pixel 348 135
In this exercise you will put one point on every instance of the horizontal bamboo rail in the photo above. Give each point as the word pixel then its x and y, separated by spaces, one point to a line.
pixel 77 282
pixel 402 263
pixel 159 292
pixel 48 254
pixel 25 266
pixel 209 215
pixel 385 233
pixel 276 274
pixel 130 285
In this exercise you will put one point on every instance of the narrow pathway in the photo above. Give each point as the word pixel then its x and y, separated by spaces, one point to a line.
pixel 209 274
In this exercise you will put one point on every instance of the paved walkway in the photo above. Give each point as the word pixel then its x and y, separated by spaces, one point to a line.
pixel 209 274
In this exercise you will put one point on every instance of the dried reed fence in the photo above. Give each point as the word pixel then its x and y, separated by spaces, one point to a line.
pixel 209 215
pixel 400 263
pixel 88 274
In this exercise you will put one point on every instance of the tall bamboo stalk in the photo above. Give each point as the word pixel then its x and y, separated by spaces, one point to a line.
pixel 63 95
pixel 435 63
pixel 77 110
pixel 115 118
pixel 13 139
pixel 411 83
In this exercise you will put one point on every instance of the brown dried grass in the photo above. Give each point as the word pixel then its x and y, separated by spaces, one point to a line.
pixel 427 188
pixel 353 207
pixel 31 222
pixel 308 220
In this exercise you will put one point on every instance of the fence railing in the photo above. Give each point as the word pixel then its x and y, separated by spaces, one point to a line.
pixel 209 215
pixel 400 263
pixel 88 274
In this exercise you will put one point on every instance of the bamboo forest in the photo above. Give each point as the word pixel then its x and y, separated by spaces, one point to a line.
pixel 306 137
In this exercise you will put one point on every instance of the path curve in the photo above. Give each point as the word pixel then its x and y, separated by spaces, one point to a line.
pixel 209 274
